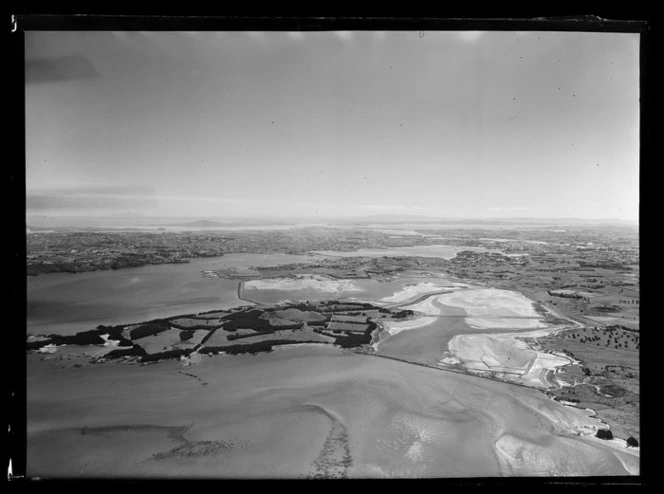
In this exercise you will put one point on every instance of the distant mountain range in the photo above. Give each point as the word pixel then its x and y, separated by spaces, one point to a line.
pixel 142 221
pixel 204 224
pixel 391 219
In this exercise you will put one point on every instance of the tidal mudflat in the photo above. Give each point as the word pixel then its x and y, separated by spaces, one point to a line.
pixel 261 416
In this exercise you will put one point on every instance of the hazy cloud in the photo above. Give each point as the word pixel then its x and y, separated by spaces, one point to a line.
pixel 392 208
pixel 508 208
pixel 60 69
pixel 77 197
pixel 223 114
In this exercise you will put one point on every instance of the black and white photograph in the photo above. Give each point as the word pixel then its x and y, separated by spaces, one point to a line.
pixel 266 251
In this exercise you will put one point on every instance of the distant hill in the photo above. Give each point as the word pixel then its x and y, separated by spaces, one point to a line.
pixel 203 224
pixel 389 218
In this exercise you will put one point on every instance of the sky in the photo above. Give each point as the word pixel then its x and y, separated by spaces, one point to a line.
pixel 453 124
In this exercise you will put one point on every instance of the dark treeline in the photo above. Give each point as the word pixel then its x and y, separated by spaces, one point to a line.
pixel 192 327
pixel 177 353
pixel 258 347
pixel 236 336
pixel 134 351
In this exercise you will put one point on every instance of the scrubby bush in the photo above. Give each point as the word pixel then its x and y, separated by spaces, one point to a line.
pixel 632 442
pixel 604 434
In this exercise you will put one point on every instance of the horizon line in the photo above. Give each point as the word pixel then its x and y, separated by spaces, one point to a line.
pixel 397 216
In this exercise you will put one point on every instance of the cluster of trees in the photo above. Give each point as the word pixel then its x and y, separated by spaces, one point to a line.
pixel 604 434
pixel 590 339
pixel 187 334
pixel 402 314
pixel 247 319
pixel 251 319
pixel 355 339
pixel 149 329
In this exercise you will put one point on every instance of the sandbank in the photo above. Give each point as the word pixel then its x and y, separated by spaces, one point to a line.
pixel 303 282
pixel 505 353
pixel 505 323
pixel 491 302
pixel 413 290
